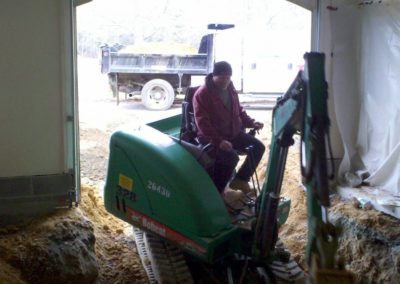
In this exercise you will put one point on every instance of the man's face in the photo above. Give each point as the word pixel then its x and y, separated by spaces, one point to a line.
pixel 222 81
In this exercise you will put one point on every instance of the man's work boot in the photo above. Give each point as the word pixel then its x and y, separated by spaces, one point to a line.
pixel 241 185
pixel 232 195
pixel 233 198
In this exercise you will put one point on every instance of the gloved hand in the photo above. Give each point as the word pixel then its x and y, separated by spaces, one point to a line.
pixel 225 145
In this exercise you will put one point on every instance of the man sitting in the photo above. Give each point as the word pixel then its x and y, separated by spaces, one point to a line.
pixel 221 121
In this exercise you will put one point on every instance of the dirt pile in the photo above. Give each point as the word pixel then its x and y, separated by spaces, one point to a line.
pixel 370 243
pixel 115 248
pixel 57 248
pixel 79 245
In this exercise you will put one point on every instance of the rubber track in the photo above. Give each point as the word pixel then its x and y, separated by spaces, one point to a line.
pixel 163 262
pixel 287 272
pixel 144 256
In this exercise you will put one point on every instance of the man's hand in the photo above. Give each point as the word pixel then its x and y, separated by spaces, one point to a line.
pixel 258 125
pixel 225 145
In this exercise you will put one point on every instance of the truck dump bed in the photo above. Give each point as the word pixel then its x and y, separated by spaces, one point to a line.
pixel 126 62
pixel 195 64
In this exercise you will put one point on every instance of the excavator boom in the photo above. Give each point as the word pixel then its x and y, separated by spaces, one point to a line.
pixel 303 110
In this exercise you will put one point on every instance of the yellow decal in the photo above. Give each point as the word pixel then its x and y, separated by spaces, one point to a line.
pixel 125 182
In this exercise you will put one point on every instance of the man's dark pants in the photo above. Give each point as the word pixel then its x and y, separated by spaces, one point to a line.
pixel 226 161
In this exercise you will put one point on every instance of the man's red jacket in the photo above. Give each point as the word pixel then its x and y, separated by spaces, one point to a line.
pixel 215 122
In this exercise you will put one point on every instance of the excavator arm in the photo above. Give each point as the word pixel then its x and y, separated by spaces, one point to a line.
pixel 302 110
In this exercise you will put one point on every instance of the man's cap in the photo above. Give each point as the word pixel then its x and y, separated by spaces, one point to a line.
pixel 222 68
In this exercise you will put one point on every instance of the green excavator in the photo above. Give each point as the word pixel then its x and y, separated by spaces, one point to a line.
pixel 158 183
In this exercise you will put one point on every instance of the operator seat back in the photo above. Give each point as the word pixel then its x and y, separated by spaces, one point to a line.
pixel 188 131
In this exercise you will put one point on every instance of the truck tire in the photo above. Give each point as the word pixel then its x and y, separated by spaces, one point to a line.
pixel 158 94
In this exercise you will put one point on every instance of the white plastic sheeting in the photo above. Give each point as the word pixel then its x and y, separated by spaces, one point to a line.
pixel 366 89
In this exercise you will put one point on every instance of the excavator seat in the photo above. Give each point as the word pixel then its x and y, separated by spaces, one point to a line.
pixel 188 131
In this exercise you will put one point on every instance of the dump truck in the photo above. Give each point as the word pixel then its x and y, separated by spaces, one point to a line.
pixel 157 182
pixel 156 77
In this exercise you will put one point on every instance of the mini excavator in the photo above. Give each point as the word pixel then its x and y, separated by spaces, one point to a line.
pixel 184 233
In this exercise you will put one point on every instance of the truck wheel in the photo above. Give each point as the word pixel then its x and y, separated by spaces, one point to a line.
pixel 158 94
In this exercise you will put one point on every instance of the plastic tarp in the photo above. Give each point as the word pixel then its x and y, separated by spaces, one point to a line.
pixel 366 89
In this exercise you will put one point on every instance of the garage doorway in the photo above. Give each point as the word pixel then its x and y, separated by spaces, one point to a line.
pixel 265 48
